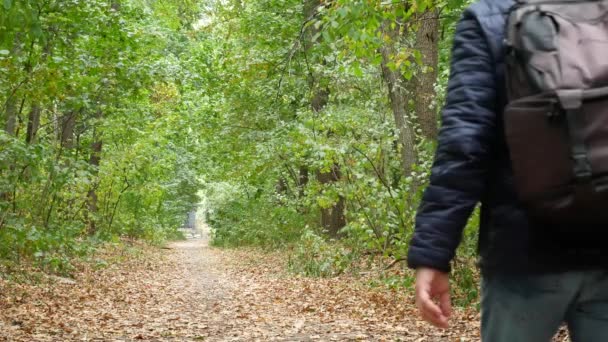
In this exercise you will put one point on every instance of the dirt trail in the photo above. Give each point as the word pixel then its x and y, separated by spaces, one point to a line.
pixel 257 301
pixel 193 292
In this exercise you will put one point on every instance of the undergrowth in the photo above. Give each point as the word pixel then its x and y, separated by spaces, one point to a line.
pixel 94 254
pixel 243 217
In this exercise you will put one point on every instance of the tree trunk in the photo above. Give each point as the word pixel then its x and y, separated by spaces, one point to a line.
pixel 10 106
pixel 332 219
pixel 302 180
pixel 10 123
pixel 94 161
pixel 427 42
pixel 282 187
pixel 33 120
pixel 10 126
pixel 398 97
pixel 33 123
pixel 92 195
pixel 68 122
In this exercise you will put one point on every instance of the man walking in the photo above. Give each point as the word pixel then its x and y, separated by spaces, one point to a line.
pixel 536 273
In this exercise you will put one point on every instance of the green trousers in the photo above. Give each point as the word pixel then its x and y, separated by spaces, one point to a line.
pixel 532 308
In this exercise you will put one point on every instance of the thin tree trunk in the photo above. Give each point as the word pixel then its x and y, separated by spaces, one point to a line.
pixel 10 123
pixel 68 123
pixel 427 35
pixel 10 106
pixel 332 219
pixel 281 187
pixel 94 161
pixel 302 180
pixel 399 98
pixel 33 120
pixel 10 126
pixel 33 123
pixel 122 192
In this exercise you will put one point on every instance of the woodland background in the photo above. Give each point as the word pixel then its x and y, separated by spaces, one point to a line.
pixel 307 126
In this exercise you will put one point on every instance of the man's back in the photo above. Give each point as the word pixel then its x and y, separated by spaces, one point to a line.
pixel 472 165
pixel 531 283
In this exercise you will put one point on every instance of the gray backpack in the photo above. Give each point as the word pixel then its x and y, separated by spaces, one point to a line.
pixel 556 119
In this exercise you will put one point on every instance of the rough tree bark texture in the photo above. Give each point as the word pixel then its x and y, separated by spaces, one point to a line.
pixel 399 98
pixel 427 38
pixel 66 135
pixel 33 123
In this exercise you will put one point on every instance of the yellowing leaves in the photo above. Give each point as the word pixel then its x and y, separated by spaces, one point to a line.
pixel 164 93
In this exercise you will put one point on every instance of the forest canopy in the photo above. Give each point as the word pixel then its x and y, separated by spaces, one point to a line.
pixel 307 123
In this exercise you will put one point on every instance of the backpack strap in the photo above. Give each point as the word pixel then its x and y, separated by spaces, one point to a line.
pixel 571 101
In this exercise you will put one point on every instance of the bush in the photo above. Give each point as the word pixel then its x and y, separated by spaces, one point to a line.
pixel 315 257
pixel 240 220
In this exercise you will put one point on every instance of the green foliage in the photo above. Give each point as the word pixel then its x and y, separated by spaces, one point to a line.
pixel 266 144
pixel 118 114
pixel 465 275
pixel 315 257
pixel 100 118
pixel 242 217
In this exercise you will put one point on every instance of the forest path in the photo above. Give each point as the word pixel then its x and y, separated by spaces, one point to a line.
pixel 193 292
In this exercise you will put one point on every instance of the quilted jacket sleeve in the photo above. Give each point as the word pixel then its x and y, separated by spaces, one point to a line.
pixel 463 152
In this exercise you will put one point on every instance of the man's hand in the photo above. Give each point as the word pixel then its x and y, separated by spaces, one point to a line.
pixel 431 286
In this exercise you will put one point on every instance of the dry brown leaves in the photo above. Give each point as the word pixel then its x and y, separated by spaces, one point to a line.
pixel 192 292
pixel 336 309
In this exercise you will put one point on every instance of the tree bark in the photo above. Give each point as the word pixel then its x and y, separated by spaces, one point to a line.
pixel 33 123
pixel 10 123
pixel 302 180
pixel 33 120
pixel 10 106
pixel 427 35
pixel 333 218
pixel 10 126
pixel 398 98
pixel 68 123
pixel 282 187
pixel 94 161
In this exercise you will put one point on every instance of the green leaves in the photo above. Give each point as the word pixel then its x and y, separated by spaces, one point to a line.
pixel 224 106
pixel 108 112
pixel 269 134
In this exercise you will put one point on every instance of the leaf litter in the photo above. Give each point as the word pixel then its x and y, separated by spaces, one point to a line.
pixel 192 292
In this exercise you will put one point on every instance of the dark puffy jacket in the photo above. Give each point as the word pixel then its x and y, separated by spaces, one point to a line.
pixel 472 163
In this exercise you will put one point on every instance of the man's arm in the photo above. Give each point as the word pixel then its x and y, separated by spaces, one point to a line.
pixel 464 146
pixel 459 171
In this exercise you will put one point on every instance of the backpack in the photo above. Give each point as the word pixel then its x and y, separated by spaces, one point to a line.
pixel 556 117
